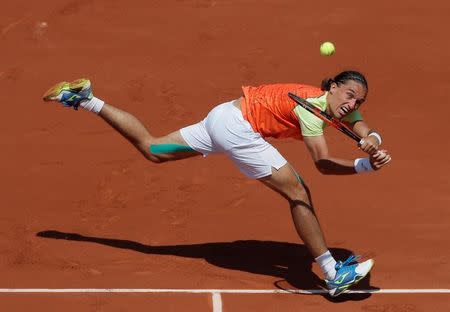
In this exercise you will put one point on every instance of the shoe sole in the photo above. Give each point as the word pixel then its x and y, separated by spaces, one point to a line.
pixel 332 292
pixel 74 86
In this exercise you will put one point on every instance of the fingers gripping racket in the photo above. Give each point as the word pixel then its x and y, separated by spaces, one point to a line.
pixel 325 117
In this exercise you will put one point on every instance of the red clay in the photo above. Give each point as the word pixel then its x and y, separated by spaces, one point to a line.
pixel 169 62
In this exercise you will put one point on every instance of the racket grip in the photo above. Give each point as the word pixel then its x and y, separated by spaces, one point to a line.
pixel 361 142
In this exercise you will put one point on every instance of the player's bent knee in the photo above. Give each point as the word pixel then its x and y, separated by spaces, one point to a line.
pixel 299 197
pixel 298 203
pixel 156 159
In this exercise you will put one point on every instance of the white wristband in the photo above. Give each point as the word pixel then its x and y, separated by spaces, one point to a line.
pixel 363 165
pixel 376 135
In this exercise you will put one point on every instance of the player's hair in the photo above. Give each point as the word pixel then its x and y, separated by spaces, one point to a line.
pixel 343 78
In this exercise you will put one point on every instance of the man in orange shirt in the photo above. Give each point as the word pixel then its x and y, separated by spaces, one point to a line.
pixel 238 129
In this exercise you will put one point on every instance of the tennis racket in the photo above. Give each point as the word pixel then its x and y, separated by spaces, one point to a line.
pixel 325 117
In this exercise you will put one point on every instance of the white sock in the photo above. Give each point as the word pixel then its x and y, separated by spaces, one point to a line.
pixel 327 265
pixel 93 105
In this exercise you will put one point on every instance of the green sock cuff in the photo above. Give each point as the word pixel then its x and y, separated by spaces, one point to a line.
pixel 169 148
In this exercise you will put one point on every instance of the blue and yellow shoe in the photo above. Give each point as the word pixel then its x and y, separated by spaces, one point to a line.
pixel 70 94
pixel 348 273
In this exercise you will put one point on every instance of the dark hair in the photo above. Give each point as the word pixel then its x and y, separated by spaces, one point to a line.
pixel 343 78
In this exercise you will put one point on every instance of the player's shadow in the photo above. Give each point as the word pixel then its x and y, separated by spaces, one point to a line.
pixel 287 261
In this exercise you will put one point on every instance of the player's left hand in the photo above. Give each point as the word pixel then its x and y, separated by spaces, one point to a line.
pixel 369 144
pixel 379 159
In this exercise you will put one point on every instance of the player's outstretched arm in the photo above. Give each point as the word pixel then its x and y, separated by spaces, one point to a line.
pixel 330 165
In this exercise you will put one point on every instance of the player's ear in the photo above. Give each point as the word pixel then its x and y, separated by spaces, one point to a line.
pixel 333 87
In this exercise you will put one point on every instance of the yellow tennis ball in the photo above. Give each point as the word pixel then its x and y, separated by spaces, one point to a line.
pixel 327 49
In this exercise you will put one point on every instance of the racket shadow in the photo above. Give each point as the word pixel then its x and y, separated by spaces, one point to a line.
pixel 287 261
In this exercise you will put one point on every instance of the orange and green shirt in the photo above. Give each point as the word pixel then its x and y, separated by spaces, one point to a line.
pixel 272 113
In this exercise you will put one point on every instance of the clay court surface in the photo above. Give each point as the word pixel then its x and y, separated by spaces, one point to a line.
pixel 83 210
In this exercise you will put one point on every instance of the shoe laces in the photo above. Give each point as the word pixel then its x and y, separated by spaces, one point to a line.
pixel 349 261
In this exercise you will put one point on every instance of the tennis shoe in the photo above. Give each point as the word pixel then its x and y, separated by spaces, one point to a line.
pixel 70 94
pixel 348 273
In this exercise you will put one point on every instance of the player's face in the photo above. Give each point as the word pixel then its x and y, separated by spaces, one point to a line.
pixel 345 98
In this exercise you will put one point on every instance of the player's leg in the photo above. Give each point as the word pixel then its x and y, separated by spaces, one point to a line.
pixel 78 93
pixel 137 134
pixel 286 183
pixel 339 276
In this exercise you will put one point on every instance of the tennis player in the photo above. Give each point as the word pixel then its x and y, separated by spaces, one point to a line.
pixel 239 129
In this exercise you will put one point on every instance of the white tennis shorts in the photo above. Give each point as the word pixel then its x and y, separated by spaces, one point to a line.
pixel 226 131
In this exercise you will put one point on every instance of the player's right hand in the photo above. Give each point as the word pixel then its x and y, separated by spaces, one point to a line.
pixel 379 159
pixel 369 145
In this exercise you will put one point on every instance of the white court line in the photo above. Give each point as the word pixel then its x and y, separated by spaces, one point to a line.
pixel 219 291
pixel 217 302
